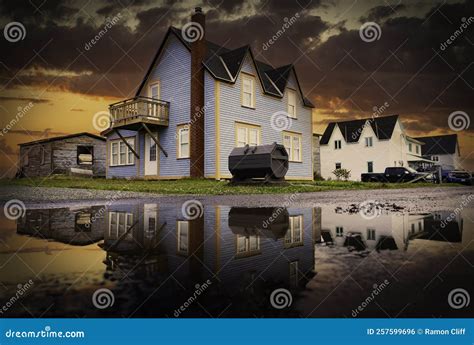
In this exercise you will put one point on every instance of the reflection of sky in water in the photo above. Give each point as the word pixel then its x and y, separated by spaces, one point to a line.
pixel 153 253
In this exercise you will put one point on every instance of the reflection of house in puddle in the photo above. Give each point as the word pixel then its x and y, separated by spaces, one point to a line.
pixel 244 252
pixel 74 226
pixel 386 231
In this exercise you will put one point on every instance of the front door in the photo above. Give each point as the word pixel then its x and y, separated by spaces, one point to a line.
pixel 151 155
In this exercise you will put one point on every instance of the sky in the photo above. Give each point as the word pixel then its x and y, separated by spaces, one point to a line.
pixel 53 80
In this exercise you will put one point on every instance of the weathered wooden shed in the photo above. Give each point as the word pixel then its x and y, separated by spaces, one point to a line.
pixel 80 153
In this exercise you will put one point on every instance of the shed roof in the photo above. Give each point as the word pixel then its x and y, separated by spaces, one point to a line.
pixel 47 140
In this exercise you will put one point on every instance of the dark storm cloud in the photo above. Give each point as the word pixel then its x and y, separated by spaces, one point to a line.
pixel 25 99
pixel 402 67
pixel 379 13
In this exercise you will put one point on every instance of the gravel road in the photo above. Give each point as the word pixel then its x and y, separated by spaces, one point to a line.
pixel 413 200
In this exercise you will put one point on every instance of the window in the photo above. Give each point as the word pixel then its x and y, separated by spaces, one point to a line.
pixel 371 234
pixel 154 90
pixel 417 149
pixel 247 245
pixel 435 158
pixel 294 277
pixel 369 142
pixel 370 167
pixel 119 224
pixel 83 222
pixel 337 144
pixel 339 231
pixel 183 141
pixel 25 158
pixel 294 235
pixel 183 237
pixel 121 154
pixel 292 143
pixel 248 91
pixel 247 135
pixel 409 147
pixel 42 155
pixel 85 155
pixel 338 165
pixel 152 152
pixel 292 103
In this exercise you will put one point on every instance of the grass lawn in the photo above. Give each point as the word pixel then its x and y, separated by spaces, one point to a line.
pixel 201 186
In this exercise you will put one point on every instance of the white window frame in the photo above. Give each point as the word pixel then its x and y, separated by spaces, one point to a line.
pixel 337 144
pixel 248 130
pixel 128 222
pixel 294 234
pixel 247 248
pixel 179 151
pixel 291 106
pixel 150 87
pixel 180 230
pixel 251 79
pixel 295 154
pixel 340 165
pixel 369 141
pixel 129 156
pixel 368 167
pixel 410 148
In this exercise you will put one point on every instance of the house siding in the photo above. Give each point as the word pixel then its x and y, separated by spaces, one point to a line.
pixel 231 111
pixel 209 126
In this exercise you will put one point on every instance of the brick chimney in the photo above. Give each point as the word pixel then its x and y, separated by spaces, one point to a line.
pixel 198 54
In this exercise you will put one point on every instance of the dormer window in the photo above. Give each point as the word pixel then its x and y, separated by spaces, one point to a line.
pixel 369 142
pixel 292 103
pixel 248 91
pixel 337 144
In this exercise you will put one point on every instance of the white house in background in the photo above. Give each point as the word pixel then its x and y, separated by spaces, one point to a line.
pixel 442 149
pixel 367 145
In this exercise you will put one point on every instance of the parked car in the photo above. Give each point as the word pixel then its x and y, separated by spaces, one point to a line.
pixel 394 174
pixel 450 174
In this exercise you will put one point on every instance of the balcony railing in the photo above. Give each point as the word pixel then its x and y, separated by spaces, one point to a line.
pixel 139 109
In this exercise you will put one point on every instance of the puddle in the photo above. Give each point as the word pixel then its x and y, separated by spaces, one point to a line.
pixel 152 260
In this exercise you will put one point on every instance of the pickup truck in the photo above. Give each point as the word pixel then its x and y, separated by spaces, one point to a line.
pixel 450 174
pixel 392 174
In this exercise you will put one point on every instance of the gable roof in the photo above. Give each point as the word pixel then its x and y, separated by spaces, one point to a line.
pixel 351 130
pixel 439 144
pixel 225 64
pixel 63 137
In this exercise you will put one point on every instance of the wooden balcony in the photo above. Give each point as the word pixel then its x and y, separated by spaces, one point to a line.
pixel 132 113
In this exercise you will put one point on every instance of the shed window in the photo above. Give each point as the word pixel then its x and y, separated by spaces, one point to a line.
pixel 42 155
pixel 85 155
